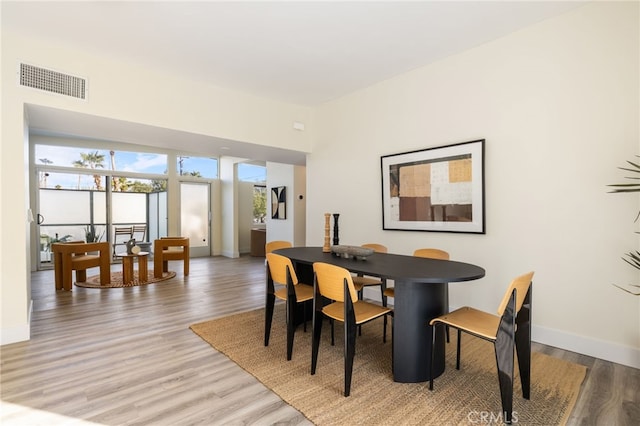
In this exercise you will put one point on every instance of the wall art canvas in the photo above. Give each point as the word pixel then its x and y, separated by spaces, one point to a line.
pixel 435 189
pixel 279 202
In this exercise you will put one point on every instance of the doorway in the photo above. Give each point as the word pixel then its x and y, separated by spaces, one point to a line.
pixel 195 217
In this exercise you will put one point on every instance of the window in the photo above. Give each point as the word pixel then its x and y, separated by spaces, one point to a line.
pixel 104 159
pixel 259 203
pixel 252 173
pixel 202 167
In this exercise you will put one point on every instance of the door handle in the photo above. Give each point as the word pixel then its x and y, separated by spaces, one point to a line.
pixel 40 219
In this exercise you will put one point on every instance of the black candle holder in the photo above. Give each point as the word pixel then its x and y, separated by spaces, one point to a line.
pixel 336 239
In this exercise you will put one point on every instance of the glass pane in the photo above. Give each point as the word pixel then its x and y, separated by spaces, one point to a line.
pixel 259 204
pixel 252 173
pixel 78 181
pixel 66 156
pixel 129 207
pixel 194 213
pixel 58 206
pixel 198 166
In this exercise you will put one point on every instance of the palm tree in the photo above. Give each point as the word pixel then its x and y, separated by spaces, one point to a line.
pixel 44 175
pixel 82 165
pixel 92 160
pixel 115 182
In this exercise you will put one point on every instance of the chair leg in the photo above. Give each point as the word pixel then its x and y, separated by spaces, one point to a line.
pixel 523 349
pixel 433 357
pixel 458 349
pixel 317 331
pixel 268 317
pixel 504 347
pixel 291 327
pixel 304 316
pixel 504 359
pixel 333 334
pixel 523 345
pixel 349 353
pixel 384 330
pixel 360 296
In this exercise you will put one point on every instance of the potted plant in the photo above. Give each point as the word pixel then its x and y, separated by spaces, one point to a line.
pixel 632 257
pixel 90 234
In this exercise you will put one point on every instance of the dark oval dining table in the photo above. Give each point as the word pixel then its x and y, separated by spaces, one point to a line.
pixel 420 295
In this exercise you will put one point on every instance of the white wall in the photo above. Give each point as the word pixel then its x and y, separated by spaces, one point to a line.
pixel 558 105
pixel 292 228
pixel 245 216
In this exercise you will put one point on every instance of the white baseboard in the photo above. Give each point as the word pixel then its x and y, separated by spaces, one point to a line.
pixel 231 254
pixel 18 333
pixel 609 351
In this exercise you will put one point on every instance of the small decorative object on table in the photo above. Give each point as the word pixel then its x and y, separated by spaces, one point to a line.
pixel 327 246
pixel 336 239
pixel 130 245
pixel 355 252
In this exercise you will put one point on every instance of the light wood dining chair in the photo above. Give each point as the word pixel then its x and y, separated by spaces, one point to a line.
pixel 335 284
pixel 79 256
pixel 280 271
pixel 360 281
pixel 122 234
pixel 276 245
pixel 429 253
pixel 170 248
pixel 510 328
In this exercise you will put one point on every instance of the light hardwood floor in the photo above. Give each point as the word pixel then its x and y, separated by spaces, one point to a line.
pixel 127 357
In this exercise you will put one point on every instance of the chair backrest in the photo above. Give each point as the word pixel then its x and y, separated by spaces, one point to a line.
pixel 378 248
pixel 139 232
pixel 81 248
pixel 431 253
pixel 278 268
pixel 330 280
pixel 124 232
pixel 276 245
pixel 171 242
pixel 521 284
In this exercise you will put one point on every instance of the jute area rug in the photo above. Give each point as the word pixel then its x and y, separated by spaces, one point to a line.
pixel 116 280
pixel 468 396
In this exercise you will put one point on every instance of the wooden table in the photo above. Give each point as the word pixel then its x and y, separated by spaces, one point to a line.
pixel 127 267
pixel 420 296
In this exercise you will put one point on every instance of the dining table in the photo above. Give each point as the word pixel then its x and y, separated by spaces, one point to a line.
pixel 420 295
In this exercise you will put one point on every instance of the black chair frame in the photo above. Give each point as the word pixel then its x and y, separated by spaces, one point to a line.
pixel 513 331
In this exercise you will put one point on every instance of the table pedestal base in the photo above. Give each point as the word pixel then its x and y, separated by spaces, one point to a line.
pixel 415 304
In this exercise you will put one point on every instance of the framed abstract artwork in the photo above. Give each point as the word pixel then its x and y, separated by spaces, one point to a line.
pixel 279 202
pixel 437 189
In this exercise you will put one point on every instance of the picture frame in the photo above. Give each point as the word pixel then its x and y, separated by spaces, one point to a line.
pixel 279 202
pixel 438 189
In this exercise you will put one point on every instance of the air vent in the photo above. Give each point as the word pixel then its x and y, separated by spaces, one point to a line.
pixel 53 81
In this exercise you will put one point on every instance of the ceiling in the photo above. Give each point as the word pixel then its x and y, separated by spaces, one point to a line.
pixel 300 52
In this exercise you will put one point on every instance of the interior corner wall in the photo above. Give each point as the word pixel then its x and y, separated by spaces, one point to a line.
pixel 559 106
pixel 245 216
pixel 299 206
pixel 229 195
